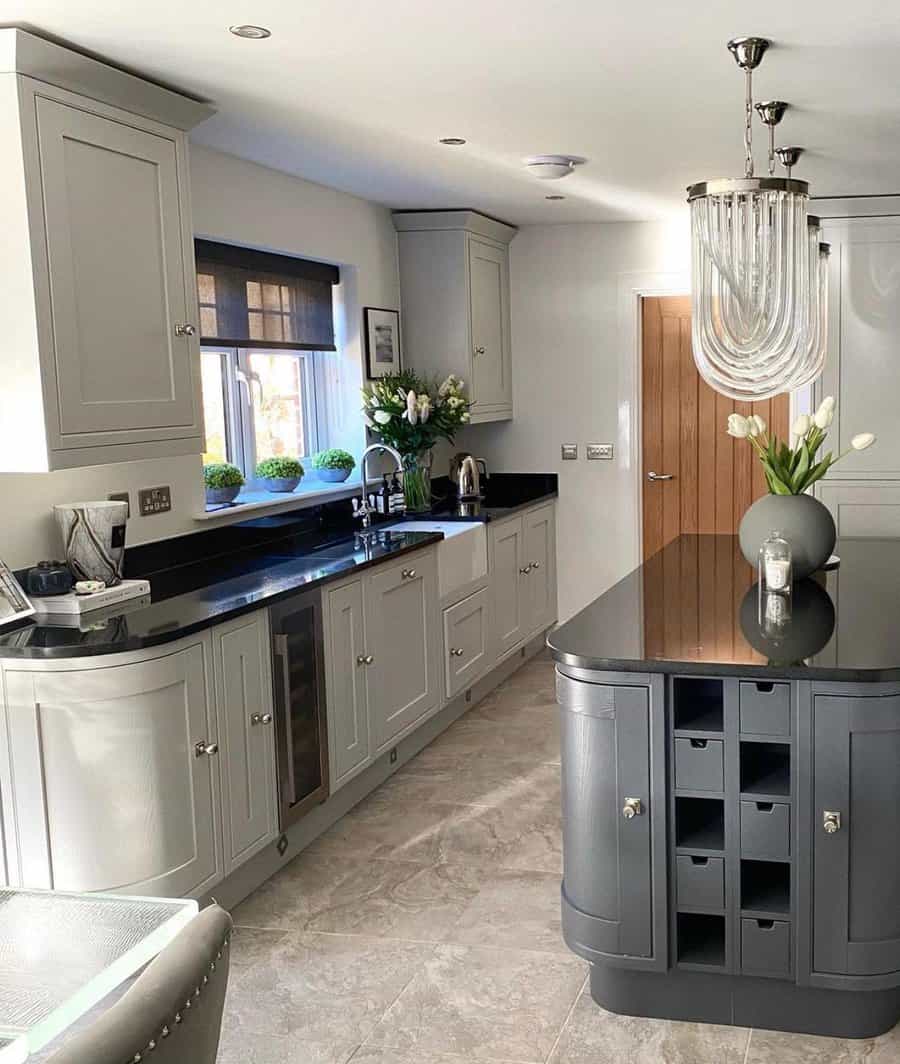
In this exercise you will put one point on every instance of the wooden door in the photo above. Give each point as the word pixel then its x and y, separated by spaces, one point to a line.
pixel 403 640
pixel 713 478
pixel 118 281
pixel 489 284
pixel 242 668
pixel 345 683
pixel 508 576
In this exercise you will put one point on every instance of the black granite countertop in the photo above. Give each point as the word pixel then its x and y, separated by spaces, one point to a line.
pixel 694 608
pixel 208 577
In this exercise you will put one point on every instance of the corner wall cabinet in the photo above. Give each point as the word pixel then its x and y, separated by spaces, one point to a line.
pixel 102 354
pixel 454 285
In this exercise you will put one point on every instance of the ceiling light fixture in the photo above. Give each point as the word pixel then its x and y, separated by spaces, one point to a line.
pixel 759 271
pixel 453 142
pixel 251 33
pixel 552 167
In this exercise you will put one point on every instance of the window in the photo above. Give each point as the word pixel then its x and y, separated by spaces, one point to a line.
pixel 266 325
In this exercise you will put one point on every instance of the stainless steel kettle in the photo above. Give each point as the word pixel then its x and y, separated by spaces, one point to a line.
pixel 465 472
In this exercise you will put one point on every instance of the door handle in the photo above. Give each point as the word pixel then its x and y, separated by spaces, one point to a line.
pixel 282 654
pixel 831 822
pixel 633 807
pixel 185 329
pixel 660 476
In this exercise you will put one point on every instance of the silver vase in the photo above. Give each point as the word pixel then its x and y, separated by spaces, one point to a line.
pixel 93 535
pixel 800 519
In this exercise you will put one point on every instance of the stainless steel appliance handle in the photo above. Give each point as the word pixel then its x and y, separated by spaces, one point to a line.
pixel 283 655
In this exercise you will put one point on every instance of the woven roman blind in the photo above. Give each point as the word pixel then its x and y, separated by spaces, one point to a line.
pixel 252 298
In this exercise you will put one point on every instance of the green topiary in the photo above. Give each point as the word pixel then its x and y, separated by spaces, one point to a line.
pixel 222 475
pixel 279 469
pixel 333 458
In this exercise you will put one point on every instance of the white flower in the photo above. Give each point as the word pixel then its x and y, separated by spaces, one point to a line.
pixel 369 422
pixel 828 403
pixel 802 425
pixel 424 405
pixel 756 424
pixel 738 426
pixel 382 416
pixel 823 417
pixel 862 441
pixel 465 417
pixel 412 409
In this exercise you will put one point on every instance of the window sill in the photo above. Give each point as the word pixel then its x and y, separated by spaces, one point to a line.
pixel 312 493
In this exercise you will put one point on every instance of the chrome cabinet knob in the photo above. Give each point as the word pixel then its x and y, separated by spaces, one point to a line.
pixel 535 565
pixel 261 718
pixel 456 652
pixel 408 574
pixel 633 807
pixel 525 570
pixel 185 329
pixel 203 747
pixel 479 350
pixel 831 822
pixel 660 476
pixel 364 659
pixel 369 659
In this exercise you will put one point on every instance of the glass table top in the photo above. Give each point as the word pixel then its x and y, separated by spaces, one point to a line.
pixel 60 954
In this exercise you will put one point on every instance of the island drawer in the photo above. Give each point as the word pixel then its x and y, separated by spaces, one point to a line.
pixel 765 829
pixel 765 708
pixel 700 882
pixel 699 764
pixel 765 947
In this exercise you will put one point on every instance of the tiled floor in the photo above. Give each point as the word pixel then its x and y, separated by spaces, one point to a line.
pixel 424 927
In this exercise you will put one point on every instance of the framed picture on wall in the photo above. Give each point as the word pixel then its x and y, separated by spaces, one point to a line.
pixel 382 329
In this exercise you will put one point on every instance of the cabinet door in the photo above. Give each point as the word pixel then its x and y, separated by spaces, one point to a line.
pixel 613 882
pixel 110 793
pixel 118 280
pixel 540 560
pixel 508 583
pixel 489 281
pixel 402 637
pixel 243 678
pixel 466 641
pixel 345 683
pixel 856 749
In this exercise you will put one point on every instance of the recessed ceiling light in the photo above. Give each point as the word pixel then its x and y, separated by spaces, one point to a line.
pixel 253 33
pixel 554 197
pixel 552 167
pixel 454 142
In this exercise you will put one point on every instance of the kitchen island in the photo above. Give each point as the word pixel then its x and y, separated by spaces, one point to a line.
pixel 731 791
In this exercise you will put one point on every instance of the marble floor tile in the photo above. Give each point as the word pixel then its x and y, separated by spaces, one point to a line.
pixel 327 991
pixel 250 945
pixel 514 910
pixel 483 1004
pixel 534 740
pixel 399 899
pixel 437 777
pixel 255 1048
pixel 775 1047
pixel 379 1055
pixel 594 1036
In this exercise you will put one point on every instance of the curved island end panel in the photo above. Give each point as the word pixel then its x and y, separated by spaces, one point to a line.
pixel 731 791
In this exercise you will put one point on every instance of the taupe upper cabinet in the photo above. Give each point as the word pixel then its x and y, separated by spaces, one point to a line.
pixel 103 363
pixel 454 290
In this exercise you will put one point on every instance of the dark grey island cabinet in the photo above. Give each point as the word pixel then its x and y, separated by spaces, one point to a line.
pixel 731 822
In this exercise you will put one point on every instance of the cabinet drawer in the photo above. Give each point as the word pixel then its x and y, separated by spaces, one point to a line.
pixel 765 829
pixel 766 708
pixel 766 947
pixel 466 638
pixel 699 764
pixel 701 882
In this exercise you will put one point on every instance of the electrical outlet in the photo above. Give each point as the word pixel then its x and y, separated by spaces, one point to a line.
pixel 155 500
pixel 597 451
pixel 569 452
pixel 121 496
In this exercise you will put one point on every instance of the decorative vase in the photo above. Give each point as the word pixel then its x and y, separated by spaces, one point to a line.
pixel 333 476
pixel 93 536
pixel 800 519
pixel 417 482
pixel 222 496
pixel 280 484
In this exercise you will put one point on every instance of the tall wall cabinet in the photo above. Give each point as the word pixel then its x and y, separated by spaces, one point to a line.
pixel 101 355
pixel 454 284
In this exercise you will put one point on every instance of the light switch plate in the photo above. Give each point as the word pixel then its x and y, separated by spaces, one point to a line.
pixel 155 500
pixel 569 452
pixel 596 451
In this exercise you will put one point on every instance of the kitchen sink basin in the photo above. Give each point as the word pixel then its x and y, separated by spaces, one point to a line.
pixel 462 554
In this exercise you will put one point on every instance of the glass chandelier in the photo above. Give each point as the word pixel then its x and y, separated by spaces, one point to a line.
pixel 759 285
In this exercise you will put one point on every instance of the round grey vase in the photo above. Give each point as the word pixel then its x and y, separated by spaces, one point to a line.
pixel 220 496
pixel 333 476
pixel 280 484
pixel 802 520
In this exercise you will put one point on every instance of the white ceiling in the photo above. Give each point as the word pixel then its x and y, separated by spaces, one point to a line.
pixel 356 93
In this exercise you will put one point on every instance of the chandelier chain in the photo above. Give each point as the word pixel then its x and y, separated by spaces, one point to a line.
pixel 748 124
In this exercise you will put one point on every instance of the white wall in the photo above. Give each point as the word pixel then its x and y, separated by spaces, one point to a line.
pixel 240 202
pixel 569 388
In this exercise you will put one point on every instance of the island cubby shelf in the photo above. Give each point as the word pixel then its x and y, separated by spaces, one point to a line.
pixel 698 705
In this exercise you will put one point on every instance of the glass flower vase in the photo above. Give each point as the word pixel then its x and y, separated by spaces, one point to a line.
pixel 417 482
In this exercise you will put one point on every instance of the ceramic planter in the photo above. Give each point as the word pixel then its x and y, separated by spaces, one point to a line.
pixel 221 496
pixel 333 476
pixel 800 519
pixel 280 484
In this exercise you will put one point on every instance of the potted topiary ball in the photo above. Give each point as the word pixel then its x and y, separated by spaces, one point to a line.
pixel 279 474
pixel 223 482
pixel 333 465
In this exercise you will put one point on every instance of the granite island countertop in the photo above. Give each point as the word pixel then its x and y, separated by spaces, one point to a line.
pixel 693 608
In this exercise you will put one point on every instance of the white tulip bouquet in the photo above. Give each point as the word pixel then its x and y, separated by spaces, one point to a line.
pixel 790 470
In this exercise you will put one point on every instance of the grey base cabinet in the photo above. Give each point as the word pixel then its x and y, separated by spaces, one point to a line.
pixel 467 641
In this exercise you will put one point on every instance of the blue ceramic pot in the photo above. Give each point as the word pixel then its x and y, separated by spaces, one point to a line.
pixel 280 484
pixel 221 496
pixel 333 476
